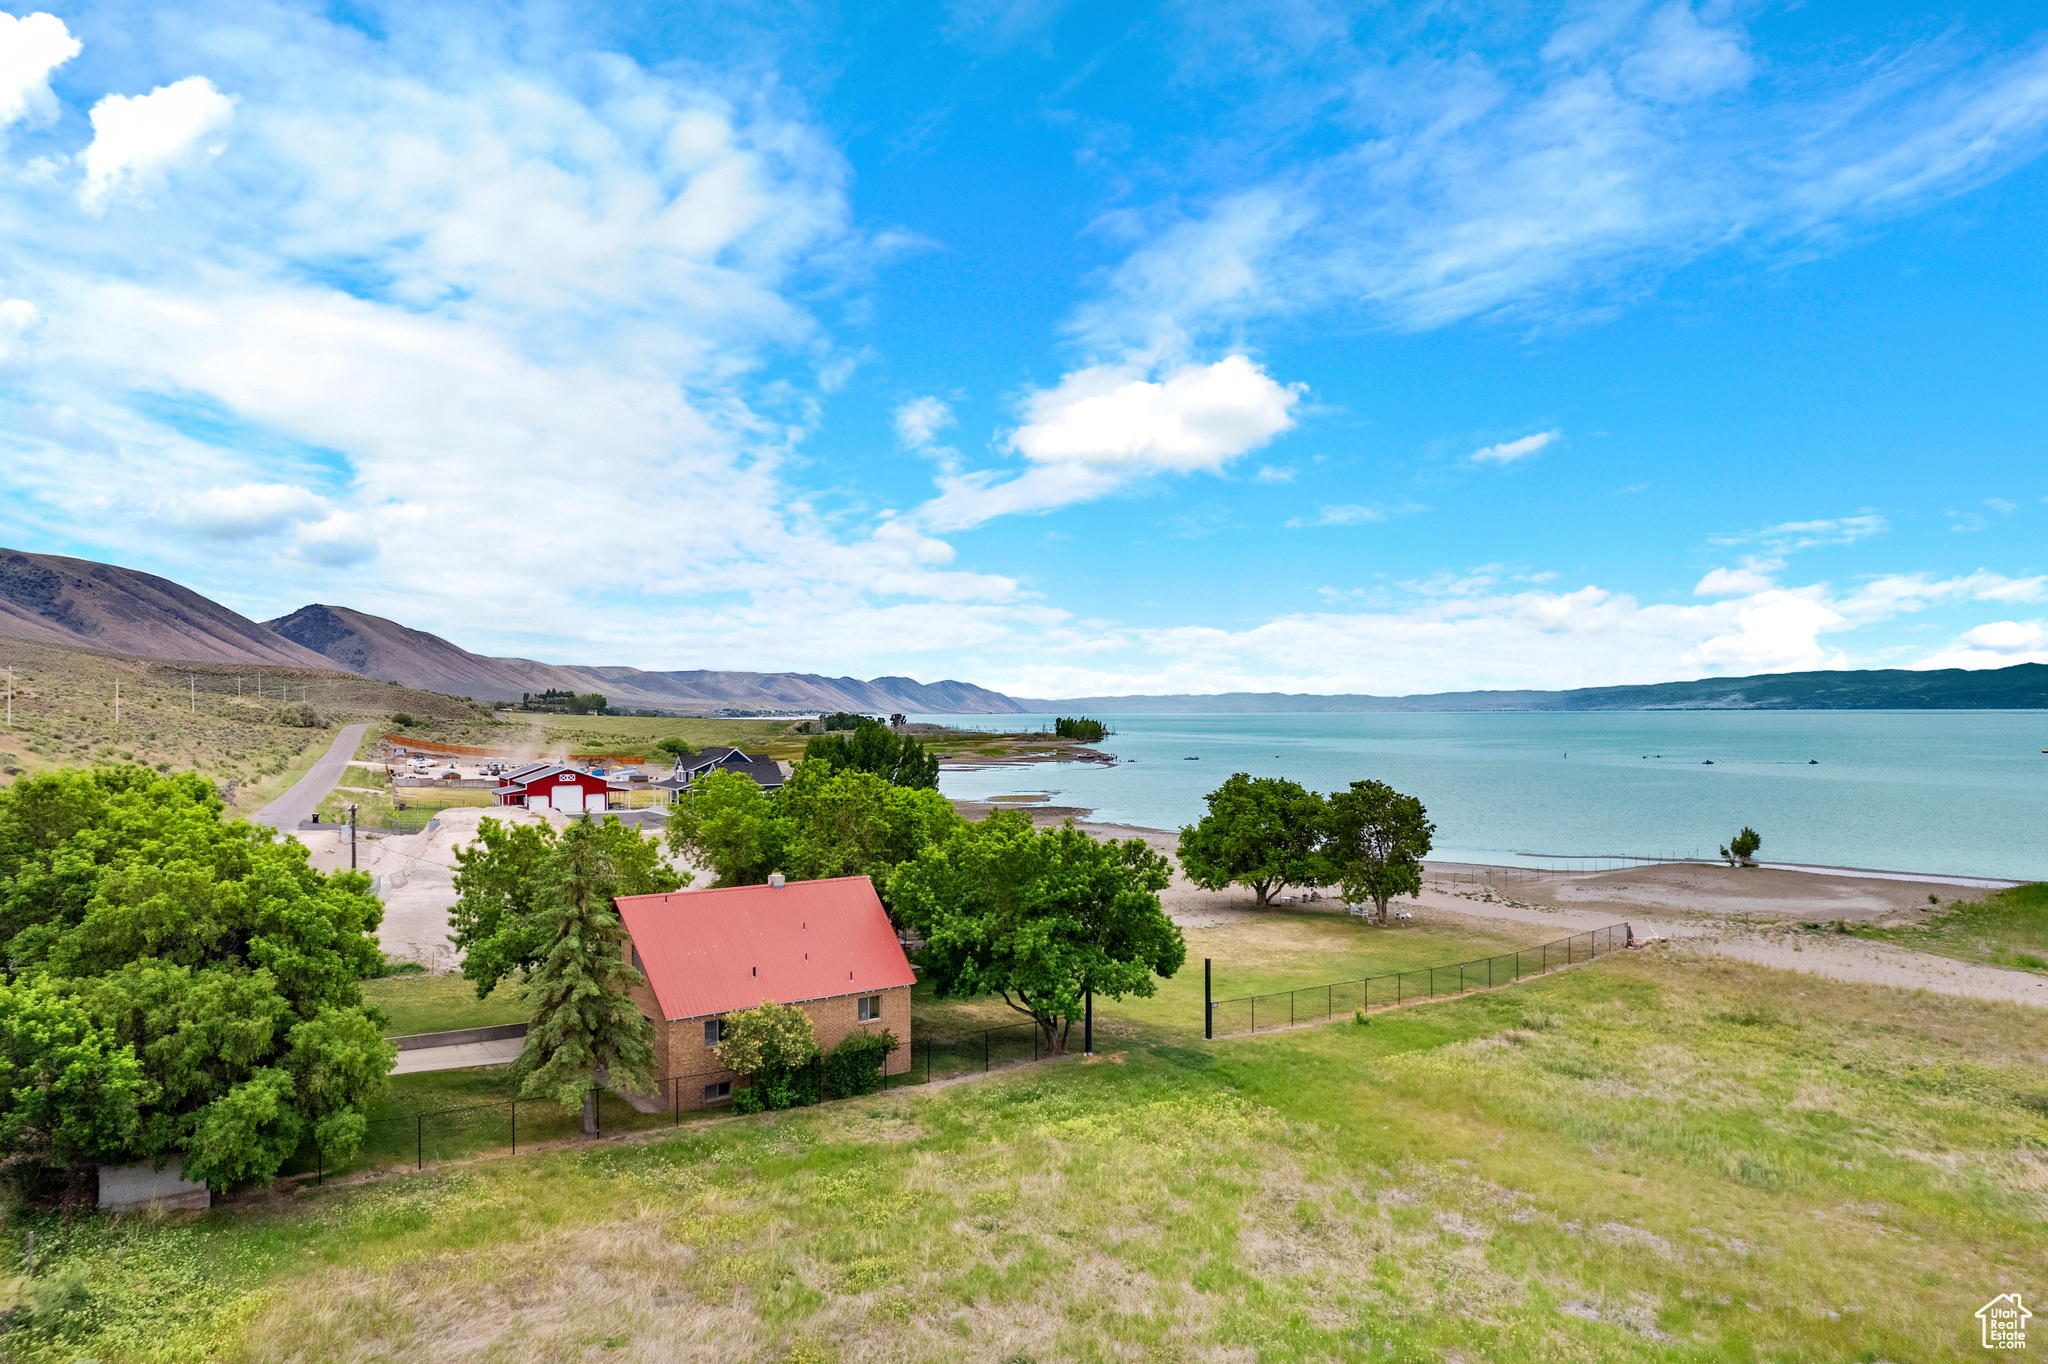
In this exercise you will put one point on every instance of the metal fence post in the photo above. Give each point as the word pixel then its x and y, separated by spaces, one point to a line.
pixel 515 1127
pixel 419 1149
pixel 984 1051
pixel 1208 1007
pixel 1255 1013
pixel 1329 1002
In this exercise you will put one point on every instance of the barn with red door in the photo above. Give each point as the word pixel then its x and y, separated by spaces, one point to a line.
pixel 551 786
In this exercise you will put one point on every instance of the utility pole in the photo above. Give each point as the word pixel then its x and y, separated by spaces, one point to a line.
pixel 351 836
pixel 192 680
pixel 10 698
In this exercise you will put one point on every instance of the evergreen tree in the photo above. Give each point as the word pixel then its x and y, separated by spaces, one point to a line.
pixel 585 1031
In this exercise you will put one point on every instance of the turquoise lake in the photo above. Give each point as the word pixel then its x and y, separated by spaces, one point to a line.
pixel 1948 792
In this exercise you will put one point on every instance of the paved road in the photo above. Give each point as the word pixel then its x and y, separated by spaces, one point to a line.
pixel 306 794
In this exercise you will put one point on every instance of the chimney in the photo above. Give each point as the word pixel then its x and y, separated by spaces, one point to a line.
pixel 775 880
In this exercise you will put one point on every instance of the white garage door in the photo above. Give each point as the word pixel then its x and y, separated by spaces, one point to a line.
pixel 569 797
pixel 599 800
pixel 536 802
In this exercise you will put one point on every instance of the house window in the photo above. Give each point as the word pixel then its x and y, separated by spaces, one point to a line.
pixel 721 1090
pixel 714 1031
pixel 870 1008
pixel 636 962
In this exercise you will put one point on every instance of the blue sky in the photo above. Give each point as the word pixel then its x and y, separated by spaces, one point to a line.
pixel 1061 348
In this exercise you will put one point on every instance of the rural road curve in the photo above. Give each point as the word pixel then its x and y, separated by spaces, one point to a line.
pixel 308 791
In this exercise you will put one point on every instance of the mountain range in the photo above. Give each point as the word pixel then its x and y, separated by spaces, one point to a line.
pixel 79 603
pixel 75 602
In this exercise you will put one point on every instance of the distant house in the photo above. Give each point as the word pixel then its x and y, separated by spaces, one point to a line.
pixel 553 786
pixel 767 773
pixel 825 946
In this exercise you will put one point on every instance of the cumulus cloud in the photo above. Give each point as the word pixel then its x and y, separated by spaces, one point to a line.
pixel 1996 644
pixel 137 139
pixel 341 540
pixel 1753 576
pixel 31 48
pixel 1507 452
pixel 1104 426
pixel 245 512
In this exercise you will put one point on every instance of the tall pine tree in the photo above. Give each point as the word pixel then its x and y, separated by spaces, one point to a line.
pixel 585 1031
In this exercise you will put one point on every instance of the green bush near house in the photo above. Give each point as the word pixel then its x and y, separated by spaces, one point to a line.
pixel 854 1067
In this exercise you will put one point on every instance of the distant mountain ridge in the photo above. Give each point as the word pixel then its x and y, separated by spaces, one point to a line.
pixel 2024 686
pixel 388 651
pixel 82 604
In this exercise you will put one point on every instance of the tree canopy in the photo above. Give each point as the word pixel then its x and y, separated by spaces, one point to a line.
pixel 874 747
pixel 823 822
pixel 501 877
pixel 585 1031
pixel 1376 841
pixel 1039 917
pixel 1261 832
pixel 1743 847
pixel 198 977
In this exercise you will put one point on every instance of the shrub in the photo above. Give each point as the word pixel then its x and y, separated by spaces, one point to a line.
pixel 401 720
pixel 854 1067
pixel 297 714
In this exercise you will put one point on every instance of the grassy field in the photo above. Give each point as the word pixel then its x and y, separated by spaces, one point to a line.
pixel 1645 1159
pixel 213 717
pixel 2008 928
pixel 440 1004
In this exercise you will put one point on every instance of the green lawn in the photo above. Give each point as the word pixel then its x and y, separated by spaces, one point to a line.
pixel 441 1004
pixel 2007 928
pixel 1646 1159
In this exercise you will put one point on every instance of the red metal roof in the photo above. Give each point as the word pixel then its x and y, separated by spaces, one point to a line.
pixel 713 951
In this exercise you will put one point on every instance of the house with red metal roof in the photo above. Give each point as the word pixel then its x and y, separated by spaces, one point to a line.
pixel 825 946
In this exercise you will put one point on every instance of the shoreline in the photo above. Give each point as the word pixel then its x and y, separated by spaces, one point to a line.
pixel 1166 839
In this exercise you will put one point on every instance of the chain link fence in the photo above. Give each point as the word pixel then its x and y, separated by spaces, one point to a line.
pixel 1249 1013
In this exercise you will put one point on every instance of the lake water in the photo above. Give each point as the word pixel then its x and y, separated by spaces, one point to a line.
pixel 1947 792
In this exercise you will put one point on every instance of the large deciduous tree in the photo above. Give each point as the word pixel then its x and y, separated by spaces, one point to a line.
pixel 499 881
pixel 585 1031
pixel 1041 918
pixel 873 747
pixel 1375 841
pixel 1261 832
pixel 214 960
pixel 728 825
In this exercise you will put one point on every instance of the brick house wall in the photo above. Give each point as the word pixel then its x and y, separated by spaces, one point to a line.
pixel 680 1055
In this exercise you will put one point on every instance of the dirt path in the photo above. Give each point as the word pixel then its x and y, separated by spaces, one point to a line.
pixel 1750 914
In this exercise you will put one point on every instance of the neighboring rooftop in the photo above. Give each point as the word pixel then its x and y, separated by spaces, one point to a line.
pixel 713 951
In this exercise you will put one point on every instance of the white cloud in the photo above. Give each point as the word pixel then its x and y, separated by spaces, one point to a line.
pixel 346 539
pixel 31 48
pixel 19 321
pixel 1997 644
pixel 1272 473
pixel 1437 181
pixel 1733 582
pixel 1105 426
pixel 245 512
pixel 1353 514
pixel 138 138
pixel 1788 537
pixel 919 421
pixel 1507 452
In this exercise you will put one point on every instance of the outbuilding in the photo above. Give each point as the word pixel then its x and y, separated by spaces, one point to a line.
pixel 824 946
pixel 553 786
